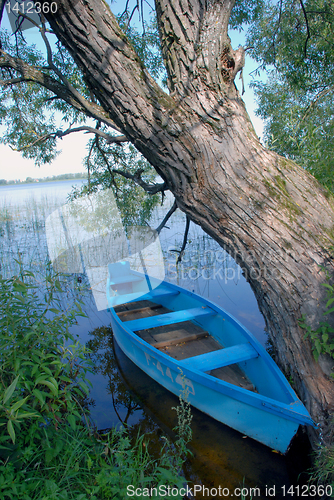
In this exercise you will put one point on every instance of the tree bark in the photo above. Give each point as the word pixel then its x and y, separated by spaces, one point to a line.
pixel 267 212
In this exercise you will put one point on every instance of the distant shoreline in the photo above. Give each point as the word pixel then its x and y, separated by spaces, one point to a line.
pixel 54 178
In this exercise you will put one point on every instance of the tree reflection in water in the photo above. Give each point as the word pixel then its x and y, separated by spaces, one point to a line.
pixel 105 363
pixel 103 358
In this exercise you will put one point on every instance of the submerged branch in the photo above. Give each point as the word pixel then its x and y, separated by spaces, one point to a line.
pixel 185 238
pixel 184 243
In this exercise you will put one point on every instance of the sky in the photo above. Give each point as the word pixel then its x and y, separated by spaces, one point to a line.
pixel 73 147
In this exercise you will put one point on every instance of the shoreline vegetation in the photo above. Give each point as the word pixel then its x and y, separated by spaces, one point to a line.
pixel 31 180
pixel 48 447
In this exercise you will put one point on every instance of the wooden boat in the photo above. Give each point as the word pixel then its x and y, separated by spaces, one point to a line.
pixel 181 339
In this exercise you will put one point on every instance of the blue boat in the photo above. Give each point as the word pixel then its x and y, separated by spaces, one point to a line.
pixel 181 339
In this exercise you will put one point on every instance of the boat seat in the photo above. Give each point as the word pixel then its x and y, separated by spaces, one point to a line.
pixel 130 278
pixel 222 357
pixel 169 318
pixel 155 294
pixel 160 292
pixel 178 339
pixel 139 310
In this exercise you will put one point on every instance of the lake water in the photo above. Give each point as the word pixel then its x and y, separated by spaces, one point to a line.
pixel 121 392
pixel 20 194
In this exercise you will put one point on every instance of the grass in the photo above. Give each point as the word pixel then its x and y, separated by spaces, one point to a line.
pixel 322 343
pixel 323 470
pixel 23 236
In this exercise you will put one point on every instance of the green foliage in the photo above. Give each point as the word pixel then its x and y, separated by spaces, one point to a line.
pixel 296 46
pixel 28 112
pixel 134 204
pixel 291 38
pixel 297 129
pixel 301 50
pixel 32 117
pixel 322 339
pixel 47 448
pixel 105 362
pixel 323 471
pixel 42 368
pixel 146 42
pixel 183 428
pixel 245 12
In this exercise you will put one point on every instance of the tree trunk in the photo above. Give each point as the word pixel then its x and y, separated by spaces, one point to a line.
pixel 267 212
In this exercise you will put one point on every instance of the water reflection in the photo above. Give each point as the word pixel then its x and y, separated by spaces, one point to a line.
pixel 220 455
pixel 103 357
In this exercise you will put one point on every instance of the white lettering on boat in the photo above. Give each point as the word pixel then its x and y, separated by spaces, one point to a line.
pixel 169 373
pixel 159 367
pixel 187 382
pixel 183 381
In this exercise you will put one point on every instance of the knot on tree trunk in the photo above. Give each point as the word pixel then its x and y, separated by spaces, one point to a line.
pixel 232 61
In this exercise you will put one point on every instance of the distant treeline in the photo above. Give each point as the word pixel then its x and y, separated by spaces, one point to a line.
pixel 61 177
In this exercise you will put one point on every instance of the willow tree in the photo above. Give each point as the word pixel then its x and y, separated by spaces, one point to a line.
pixel 296 100
pixel 271 215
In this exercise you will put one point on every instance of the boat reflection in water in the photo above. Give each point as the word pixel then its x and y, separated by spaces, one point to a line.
pixel 220 456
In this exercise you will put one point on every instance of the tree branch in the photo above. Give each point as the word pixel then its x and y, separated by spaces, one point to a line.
pixel 273 44
pixel 167 216
pixel 184 243
pixel 185 238
pixel 89 130
pixel 110 139
pixel 54 68
pixel 317 98
pixel 67 93
pixel 136 177
pixel 307 26
pixel 193 42
pixel 125 11
pixel 2 8
pixel 74 26
pixel 104 156
pixel 89 165
pixel 129 16
pixel 12 81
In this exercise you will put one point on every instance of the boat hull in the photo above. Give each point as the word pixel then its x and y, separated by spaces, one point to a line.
pixel 269 429
pixel 259 417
